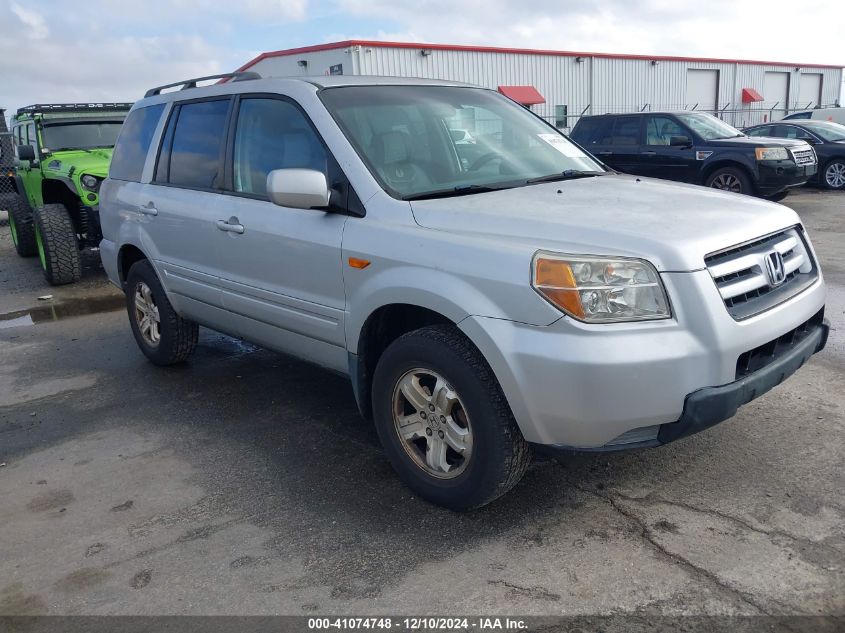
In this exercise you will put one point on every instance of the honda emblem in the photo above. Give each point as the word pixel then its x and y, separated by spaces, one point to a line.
pixel 774 268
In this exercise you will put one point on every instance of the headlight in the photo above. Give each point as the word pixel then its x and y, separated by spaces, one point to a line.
pixel 771 153
pixel 90 182
pixel 600 290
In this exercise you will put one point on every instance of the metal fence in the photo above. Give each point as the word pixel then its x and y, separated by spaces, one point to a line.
pixel 7 167
pixel 734 114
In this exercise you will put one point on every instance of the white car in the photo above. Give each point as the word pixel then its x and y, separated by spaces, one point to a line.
pixel 837 115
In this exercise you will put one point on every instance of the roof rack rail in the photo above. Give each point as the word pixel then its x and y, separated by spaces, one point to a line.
pixel 192 83
pixel 41 108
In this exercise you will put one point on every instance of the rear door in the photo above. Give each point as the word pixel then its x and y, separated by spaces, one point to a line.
pixel 182 204
pixel 594 134
pixel 282 271
pixel 661 159
pixel 626 144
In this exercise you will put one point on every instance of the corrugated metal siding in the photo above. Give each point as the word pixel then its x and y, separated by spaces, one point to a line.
pixel 598 85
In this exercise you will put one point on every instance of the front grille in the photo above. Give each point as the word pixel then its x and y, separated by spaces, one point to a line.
pixel 757 358
pixel 743 280
pixel 804 156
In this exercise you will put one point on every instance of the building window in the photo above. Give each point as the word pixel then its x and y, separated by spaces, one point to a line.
pixel 560 116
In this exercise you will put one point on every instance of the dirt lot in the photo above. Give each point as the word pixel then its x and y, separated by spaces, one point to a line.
pixel 247 483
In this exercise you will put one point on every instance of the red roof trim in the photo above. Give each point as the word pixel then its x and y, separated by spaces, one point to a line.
pixel 525 95
pixel 517 51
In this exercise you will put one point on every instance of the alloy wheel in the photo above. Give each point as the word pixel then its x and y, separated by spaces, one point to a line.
pixel 39 242
pixel 834 175
pixel 727 182
pixel 432 423
pixel 146 314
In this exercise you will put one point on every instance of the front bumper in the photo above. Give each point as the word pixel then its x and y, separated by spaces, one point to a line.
pixel 603 387
pixel 776 176
pixel 711 405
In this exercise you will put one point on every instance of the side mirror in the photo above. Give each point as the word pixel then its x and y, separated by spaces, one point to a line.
pixel 26 152
pixel 680 141
pixel 298 188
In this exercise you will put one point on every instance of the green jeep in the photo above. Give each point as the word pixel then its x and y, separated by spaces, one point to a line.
pixel 64 151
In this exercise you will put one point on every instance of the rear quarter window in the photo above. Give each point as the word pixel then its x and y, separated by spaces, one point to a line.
pixel 134 141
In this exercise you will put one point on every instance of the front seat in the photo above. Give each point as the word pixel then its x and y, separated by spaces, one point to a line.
pixel 392 155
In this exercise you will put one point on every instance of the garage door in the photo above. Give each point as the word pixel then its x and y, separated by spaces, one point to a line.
pixel 776 93
pixel 811 91
pixel 703 89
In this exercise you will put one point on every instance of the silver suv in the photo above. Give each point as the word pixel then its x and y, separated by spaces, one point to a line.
pixel 484 298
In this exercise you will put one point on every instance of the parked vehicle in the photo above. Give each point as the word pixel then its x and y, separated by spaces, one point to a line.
pixel 533 299
pixel 836 115
pixel 696 148
pixel 63 153
pixel 828 139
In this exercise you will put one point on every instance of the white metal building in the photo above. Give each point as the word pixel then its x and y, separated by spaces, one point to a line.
pixel 569 83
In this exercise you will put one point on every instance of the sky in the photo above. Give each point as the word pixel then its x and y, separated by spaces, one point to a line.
pixel 112 50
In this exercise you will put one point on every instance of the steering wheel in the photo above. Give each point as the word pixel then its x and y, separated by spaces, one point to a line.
pixel 482 160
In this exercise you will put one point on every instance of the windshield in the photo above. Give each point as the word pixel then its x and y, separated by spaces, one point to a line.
pixel 827 130
pixel 709 127
pixel 80 135
pixel 423 139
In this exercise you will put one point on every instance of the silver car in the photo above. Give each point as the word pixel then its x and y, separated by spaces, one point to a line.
pixel 486 299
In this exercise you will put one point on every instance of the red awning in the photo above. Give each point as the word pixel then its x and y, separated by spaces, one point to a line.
pixel 749 95
pixel 526 95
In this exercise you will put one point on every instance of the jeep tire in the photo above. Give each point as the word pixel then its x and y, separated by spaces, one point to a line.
pixel 432 392
pixel 21 226
pixel 164 337
pixel 58 246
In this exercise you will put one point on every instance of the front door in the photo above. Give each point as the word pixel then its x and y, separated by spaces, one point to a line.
pixel 30 171
pixel 281 267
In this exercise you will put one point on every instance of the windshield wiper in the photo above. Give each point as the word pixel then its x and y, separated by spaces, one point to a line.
pixel 460 190
pixel 567 174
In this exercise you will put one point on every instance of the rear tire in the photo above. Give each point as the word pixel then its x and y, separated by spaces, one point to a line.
pixel 164 337
pixel 730 179
pixel 493 456
pixel 22 226
pixel 833 174
pixel 58 246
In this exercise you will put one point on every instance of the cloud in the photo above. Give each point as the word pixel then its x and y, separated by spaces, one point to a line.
pixel 34 21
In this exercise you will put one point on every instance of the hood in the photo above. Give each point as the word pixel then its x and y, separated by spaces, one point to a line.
pixel 755 141
pixel 93 161
pixel 672 225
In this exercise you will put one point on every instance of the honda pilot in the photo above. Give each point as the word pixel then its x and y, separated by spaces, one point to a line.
pixel 486 300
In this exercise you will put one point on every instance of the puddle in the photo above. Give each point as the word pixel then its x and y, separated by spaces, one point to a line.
pixel 62 310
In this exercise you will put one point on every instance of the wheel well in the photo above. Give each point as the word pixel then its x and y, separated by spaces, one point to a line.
pixel 727 163
pixel 55 191
pixel 381 328
pixel 126 258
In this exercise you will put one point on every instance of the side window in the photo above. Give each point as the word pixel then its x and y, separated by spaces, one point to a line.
pixel 197 143
pixel 659 130
pixel 271 134
pixel 799 115
pixel 31 138
pixel 790 131
pixel 130 153
pixel 626 131
pixel 766 130
pixel 596 130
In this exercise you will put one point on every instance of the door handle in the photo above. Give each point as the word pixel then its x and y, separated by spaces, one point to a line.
pixel 230 226
pixel 605 153
pixel 649 153
pixel 148 209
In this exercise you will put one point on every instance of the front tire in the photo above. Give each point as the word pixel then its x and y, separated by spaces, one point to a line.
pixel 444 422
pixel 730 179
pixel 22 226
pixel 164 337
pixel 57 244
pixel 833 175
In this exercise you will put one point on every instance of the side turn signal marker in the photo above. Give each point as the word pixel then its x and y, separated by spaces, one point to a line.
pixel 356 262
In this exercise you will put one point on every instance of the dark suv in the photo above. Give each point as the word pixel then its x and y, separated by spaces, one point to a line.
pixel 697 148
